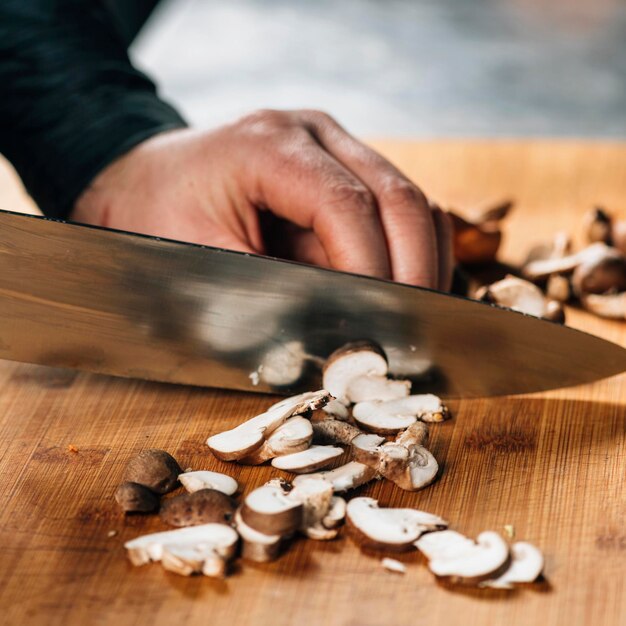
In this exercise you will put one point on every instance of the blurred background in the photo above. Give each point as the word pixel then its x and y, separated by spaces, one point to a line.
pixel 410 68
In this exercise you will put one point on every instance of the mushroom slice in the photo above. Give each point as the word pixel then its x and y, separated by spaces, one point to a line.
pixel 392 565
pixel 362 358
pixel 611 306
pixel 366 388
pixel 337 409
pixel 469 564
pixel 269 510
pixel 342 478
pixel 334 431
pixel 540 269
pixel 387 418
pixel 515 293
pixel 294 435
pixel 316 497
pixel 526 566
pixel 194 559
pixel 388 529
pixel 205 479
pixel 148 548
pixel 256 546
pixel 414 435
pixel 442 544
pixel 336 513
pixel 601 273
pixel 309 460
pixel 244 439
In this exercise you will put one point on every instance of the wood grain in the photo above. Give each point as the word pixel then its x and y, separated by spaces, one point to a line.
pixel 552 465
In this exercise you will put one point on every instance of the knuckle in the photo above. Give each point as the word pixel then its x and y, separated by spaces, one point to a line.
pixel 402 193
pixel 354 199
pixel 320 117
pixel 265 122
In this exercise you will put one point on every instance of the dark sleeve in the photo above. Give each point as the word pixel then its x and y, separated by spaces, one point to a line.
pixel 70 100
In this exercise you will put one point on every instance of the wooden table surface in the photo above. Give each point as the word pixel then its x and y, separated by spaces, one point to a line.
pixel 552 465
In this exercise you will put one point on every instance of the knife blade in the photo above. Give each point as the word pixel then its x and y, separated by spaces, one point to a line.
pixel 137 306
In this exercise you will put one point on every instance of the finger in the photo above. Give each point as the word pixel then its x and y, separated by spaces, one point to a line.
pixel 307 248
pixel 443 228
pixel 302 183
pixel 404 211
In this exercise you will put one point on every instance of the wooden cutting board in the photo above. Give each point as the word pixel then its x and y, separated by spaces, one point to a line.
pixel 551 465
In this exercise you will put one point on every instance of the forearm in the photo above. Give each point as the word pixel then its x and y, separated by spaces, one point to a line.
pixel 70 100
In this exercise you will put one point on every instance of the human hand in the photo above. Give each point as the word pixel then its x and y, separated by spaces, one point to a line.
pixel 290 184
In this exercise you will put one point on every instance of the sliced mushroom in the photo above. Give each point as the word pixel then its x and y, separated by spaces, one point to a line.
pixel 515 293
pixel 332 431
pixel 294 435
pixel 316 497
pixel 559 288
pixel 336 513
pixel 155 469
pixel 244 439
pixel 393 565
pixel 470 564
pixel 387 418
pixel 309 460
pixel 337 409
pixel 283 364
pixel 194 559
pixel 410 467
pixel 475 243
pixel 600 273
pixel 611 306
pixel 554 312
pixel 362 358
pixel 366 388
pixel 559 247
pixel 199 507
pixel 443 544
pixel 526 566
pixel 343 478
pixel 146 548
pixel 598 226
pixel 205 479
pixel 541 269
pixel 135 498
pixel 414 435
pixel 257 546
pixel 269 510
pixel 388 528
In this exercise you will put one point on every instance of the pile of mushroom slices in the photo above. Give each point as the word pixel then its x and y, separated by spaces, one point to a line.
pixel 553 275
pixel 367 419
pixel 452 557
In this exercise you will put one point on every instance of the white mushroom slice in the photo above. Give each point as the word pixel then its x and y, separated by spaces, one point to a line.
pixel 541 269
pixel 392 565
pixel 487 558
pixel 387 418
pixel 414 435
pixel 334 431
pixel 349 362
pixel 526 566
pixel 271 511
pixel 342 478
pixel 256 546
pixel 366 388
pixel 611 306
pixel 443 544
pixel 336 513
pixel 316 498
pixel 148 548
pixel 244 439
pixel 204 479
pixel 187 560
pixel 366 448
pixel 388 529
pixel 515 293
pixel 294 435
pixel 337 409
pixel 309 460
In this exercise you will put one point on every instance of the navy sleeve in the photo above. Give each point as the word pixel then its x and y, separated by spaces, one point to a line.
pixel 70 100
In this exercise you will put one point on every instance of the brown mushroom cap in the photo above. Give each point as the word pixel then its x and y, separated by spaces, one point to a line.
pixel 135 498
pixel 200 507
pixel 155 469
pixel 257 546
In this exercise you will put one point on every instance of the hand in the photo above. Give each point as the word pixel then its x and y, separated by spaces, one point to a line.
pixel 291 184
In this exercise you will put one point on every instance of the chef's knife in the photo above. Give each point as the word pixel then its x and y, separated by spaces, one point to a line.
pixel 130 305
